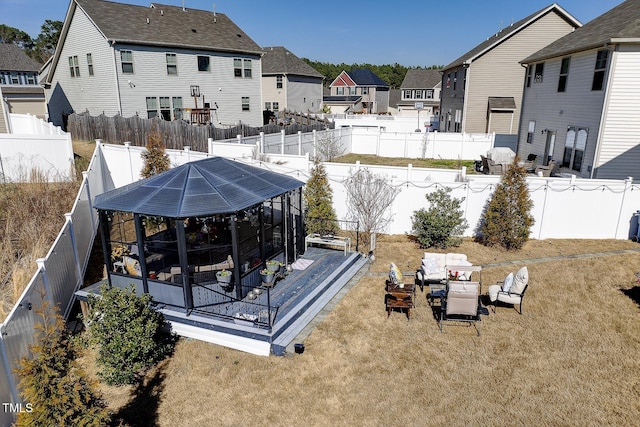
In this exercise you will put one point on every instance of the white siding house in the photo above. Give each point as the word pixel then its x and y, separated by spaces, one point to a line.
pixel 289 83
pixel 115 58
pixel 582 99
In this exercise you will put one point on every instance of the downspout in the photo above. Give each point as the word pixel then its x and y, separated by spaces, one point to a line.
pixel 605 110
pixel 115 70
pixel 466 79
pixel 524 91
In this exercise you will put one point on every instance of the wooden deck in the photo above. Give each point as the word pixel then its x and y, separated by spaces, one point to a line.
pixel 295 301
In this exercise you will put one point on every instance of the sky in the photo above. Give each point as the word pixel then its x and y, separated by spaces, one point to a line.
pixel 407 32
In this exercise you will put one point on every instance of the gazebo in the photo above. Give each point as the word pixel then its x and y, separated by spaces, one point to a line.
pixel 171 233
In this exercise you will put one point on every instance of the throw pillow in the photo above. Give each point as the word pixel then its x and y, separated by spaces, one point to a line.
pixel 508 282
pixel 431 265
pixel 464 275
pixel 395 275
pixel 520 280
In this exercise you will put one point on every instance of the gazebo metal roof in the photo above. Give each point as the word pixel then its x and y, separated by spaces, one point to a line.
pixel 214 185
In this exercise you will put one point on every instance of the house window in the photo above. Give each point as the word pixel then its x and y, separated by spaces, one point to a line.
pixel 90 64
pixel 429 94
pixel 172 64
pixel 601 67
pixel 276 106
pixel 152 107
pixel 203 63
pixel 15 79
pixel 237 67
pixel 574 147
pixel 340 90
pixel 165 108
pixel 458 121
pixel 537 76
pixel 352 91
pixel 245 103
pixel 177 107
pixel 278 82
pixel 74 66
pixel 365 91
pixel 247 68
pixel 564 74
pixel 448 80
pixel 32 79
pixel 529 75
pixel 407 94
pixel 418 94
pixel 267 106
pixel 531 130
pixel 126 57
pixel 4 78
pixel 455 80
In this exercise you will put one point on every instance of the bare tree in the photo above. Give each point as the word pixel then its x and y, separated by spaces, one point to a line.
pixel 328 147
pixel 368 199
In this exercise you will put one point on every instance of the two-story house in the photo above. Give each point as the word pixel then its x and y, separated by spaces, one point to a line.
pixel 358 91
pixel 482 89
pixel 166 61
pixel 289 83
pixel 581 104
pixel 420 93
pixel 21 92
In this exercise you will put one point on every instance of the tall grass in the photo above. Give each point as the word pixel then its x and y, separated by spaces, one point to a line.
pixel 31 215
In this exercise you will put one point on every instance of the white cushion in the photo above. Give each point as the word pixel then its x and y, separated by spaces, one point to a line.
pixel 463 275
pixel 508 282
pixel 520 280
pixel 430 265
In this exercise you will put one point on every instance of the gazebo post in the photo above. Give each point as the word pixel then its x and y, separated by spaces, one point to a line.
pixel 137 220
pixel 184 264
pixel 104 223
pixel 263 249
pixel 285 232
pixel 235 250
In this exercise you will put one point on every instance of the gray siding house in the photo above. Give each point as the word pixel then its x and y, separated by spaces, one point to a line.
pixel 482 89
pixel 21 92
pixel 289 83
pixel 115 58
pixel 420 87
pixel 581 104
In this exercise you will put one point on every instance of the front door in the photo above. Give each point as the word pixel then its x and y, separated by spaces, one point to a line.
pixel 548 147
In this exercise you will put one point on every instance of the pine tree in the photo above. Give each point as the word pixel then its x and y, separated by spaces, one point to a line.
pixel 508 219
pixel 443 223
pixel 318 197
pixel 55 388
pixel 155 159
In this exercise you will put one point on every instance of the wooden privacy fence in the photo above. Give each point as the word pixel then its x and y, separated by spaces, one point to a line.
pixel 175 134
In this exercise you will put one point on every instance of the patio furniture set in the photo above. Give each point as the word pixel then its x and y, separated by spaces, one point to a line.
pixel 498 160
pixel 455 288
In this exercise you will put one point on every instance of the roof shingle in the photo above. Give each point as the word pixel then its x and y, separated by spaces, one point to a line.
pixel 12 58
pixel 279 60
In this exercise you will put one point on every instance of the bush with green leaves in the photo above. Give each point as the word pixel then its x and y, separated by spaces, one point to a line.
pixel 55 388
pixel 442 224
pixel 318 198
pixel 129 334
pixel 507 219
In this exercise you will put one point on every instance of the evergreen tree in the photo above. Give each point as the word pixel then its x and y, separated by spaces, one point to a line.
pixel 129 334
pixel 508 219
pixel 55 390
pixel 155 159
pixel 442 224
pixel 318 197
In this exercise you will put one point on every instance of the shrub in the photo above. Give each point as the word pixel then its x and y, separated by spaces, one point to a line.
pixel 442 224
pixel 507 218
pixel 155 159
pixel 56 391
pixel 128 333
pixel 318 197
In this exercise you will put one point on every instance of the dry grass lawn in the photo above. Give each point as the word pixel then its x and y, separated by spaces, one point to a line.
pixel 570 359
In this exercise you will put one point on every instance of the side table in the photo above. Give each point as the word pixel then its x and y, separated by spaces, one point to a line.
pixel 397 297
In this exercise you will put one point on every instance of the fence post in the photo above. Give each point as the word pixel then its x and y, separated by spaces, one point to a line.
pixel 282 137
pixel 627 186
pixel 299 143
pixel 187 151
pixel 74 245
pixel 45 279
pixel 409 172
pixel 261 143
pixel 239 139
pixel 315 141
pixel 127 145
pixel 85 182
pixel 210 145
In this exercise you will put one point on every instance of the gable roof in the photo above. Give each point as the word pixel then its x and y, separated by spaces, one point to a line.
pixel 214 185
pixel 618 25
pixel 366 77
pixel 421 79
pixel 161 25
pixel 279 60
pixel 509 32
pixel 12 58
